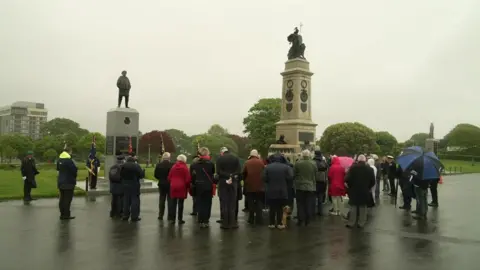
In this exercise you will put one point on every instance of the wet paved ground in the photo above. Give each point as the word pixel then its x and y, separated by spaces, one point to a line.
pixel 32 237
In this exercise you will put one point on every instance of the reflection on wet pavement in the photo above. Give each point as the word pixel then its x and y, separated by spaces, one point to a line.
pixel 32 237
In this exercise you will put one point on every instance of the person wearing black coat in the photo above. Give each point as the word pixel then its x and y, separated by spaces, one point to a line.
pixel 131 174
pixel 116 188
pixel 277 176
pixel 407 188
pixel 228 171
pixel 161 174
pixel 66 182
pixel 392 175
pixel 384 169
pixel 94 163
pixel 29 171
pixel 204 185
pixel 359 181
pixel 321 180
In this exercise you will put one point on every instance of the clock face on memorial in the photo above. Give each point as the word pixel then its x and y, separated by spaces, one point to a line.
pixel 126 121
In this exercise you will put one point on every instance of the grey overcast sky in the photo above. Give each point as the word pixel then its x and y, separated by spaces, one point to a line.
pixel 392 65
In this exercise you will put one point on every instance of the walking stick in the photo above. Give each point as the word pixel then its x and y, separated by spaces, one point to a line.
pixel 396 192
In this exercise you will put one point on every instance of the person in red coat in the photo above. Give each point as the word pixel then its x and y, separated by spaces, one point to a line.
pixel 179 179
pixel 336 187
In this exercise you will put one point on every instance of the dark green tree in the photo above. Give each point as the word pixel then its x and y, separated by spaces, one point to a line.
pixel 260 123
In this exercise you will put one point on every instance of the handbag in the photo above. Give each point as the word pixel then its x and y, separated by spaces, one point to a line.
pixel 214 186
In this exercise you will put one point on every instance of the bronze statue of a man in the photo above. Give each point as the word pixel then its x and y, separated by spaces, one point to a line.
pixel 123 84
pixel 431 133
pixel 297 50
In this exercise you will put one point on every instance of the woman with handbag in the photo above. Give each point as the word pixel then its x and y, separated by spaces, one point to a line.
pixel 179 179
pixel 203 186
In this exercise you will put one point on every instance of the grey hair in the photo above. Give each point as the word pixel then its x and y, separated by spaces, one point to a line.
pixel 182 158
pixel 254 153
pixel 362 158
pixel 306 153
pixel 166 156
pixel 204 151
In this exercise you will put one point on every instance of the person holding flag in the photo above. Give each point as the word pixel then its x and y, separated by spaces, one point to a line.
pixel 93 163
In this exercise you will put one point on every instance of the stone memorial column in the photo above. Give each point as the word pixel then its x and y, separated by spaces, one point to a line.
pixel 122 124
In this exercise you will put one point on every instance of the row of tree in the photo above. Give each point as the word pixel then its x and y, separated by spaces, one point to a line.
pixel 340 139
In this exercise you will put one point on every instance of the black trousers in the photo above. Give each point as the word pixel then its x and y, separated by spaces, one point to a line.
pixel 255 203
pixel 176 204
pixel 407 193
pixel 116 205
pixel 276 211
pixel 93 181
pixel 164 201
pixel 27 191
pixel 65 201
pixel 194 205
pixel 131 202
pixel 434 191
pixel 204 206
pixel 229 206
pixel 304 205
pixel 320 197
pixel 393 188
pixel 120 100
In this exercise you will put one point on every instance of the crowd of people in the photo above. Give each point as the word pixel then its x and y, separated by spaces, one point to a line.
pixel 273 184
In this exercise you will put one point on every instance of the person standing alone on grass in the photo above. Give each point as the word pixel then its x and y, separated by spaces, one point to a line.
pixel 305 171
pixel 162 169
pixel 29 171
pixel 67 180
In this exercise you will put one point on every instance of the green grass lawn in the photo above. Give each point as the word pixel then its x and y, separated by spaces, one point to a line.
pixel 461 166
pixel 11 184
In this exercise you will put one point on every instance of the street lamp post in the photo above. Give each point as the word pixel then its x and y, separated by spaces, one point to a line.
pixel 149 154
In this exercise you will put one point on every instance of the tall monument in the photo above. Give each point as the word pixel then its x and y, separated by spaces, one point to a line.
pixel 122 126
pixel 295 125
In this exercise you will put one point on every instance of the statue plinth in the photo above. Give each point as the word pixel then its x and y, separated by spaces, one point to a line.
pixel 122 126
pixel 296 113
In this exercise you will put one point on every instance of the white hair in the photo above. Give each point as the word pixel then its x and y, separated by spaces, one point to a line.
pixel 362 158
pixel 182 158
pixel 166 156
pixel 371 162
pixel 204 151
pixel 375 157
pixel 223 149
pixel 306 153
pixel 254 153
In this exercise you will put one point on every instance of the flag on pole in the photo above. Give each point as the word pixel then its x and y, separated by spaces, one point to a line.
pixel 130 147
pixel 91 156
pixel 162 145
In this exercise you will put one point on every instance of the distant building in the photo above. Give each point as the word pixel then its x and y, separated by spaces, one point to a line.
pixel 24 118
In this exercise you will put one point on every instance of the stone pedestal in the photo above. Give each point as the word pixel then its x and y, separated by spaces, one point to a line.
pixel 296 114
pixel 122 124
pixel 431 145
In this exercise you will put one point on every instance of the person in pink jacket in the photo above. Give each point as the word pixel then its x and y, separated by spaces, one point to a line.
pixel 336 187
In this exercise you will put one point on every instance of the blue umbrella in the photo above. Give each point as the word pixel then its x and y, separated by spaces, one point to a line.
pixel 426 164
